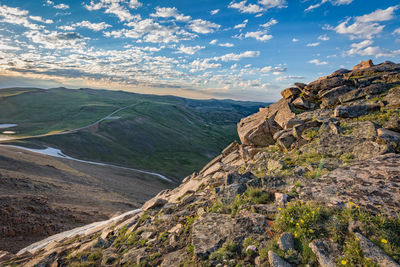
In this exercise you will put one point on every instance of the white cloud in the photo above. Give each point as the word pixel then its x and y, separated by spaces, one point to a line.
pixel 285 78
pixel 236 57
pixel 364 48
pixel 323 37
pixel 333 2
pixel 190 50
pixel 295 40
pixel 273 70
pixel 259 35
pixel 215 11
pixel 273 3
pixel 168 12
pixel 397 31
pixel 270 23
pixel 213 42
pixel 317 62
pixel 203 64
pixel 313 44
pixel 40 19
pixel 241 25
pixel 366 26
pixel 227 45
pixel 14 15
pixel 203 26
pixel 61 6
pixel 56 40
pixel 93 26
pixel 243 8
pixel 118 8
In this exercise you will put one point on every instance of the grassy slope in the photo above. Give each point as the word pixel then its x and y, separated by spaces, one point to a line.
pixel 167 134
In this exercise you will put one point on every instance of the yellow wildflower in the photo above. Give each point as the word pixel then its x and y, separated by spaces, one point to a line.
pixel 311 231
pixel 301 221
pixel 295 234
pixel 384 241
pixel 357 239
pixel 343 262
pixel 297 224
pixel 379 206
pixel 279 208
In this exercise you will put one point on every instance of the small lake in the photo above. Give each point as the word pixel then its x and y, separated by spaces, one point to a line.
pixel 5 126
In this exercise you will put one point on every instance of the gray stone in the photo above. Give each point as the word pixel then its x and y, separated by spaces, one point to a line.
pixel 228 193
pixel 276 261
pixel 286 241
pixel 281 199
pixel 373 252
pixel 331 97
pixel 210 232
pixel 275 165
pixel 290 93
pixel 368 183
pixel 370 149
pixel 285 138
pixel 393 97
pixel 174 258
pixel 303 103
pixel 229 149
pixel 354 111
pixel 281 112
pixel 326 251
pixel 133 256
pixel 300 128
pixel 390 138
pixel 393 124
pixel 154 203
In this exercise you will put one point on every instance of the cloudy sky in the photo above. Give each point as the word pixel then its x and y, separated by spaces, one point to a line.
pixel 241 49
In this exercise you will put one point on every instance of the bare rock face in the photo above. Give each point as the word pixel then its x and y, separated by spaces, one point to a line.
pixel 373 252
pixel 355 111
pixel 393 97
pixel 326 251
pixel 368 183
pixel 281 112
pixel 255 129
pixel 290 93
pixel 364 65
pixel 276 261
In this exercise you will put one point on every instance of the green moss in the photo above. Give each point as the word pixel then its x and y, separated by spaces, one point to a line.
pixel 347 158
pixel 190 249
pixel 311 133
pixel 96 255
pixel 380 117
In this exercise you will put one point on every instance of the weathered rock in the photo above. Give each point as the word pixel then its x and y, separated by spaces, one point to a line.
pixel 390 138
pixel 276 261
pixel 228 193
pixel 281 112
pixel 248 223
pixel 175 258
pixel 256 129
pixel 393 124
pixel 326 251
pixel 363 183
pixel 303 103
pixel 300 128
pixel 286 241
pixel 354 111
pixel 109 258
pixel 290 93
pixel 372 89
pixel 393 97
pixel 236 178
pixel 281 199
pixel 285 138
pixel 373 252
pixel 269 210
pixel 154 203
pixel 210 232
pixel 370 149
pixel 324 83
pixel 5 256
pixel 364 65
pixel 334 145
pixel 213 169
pixel 229 149
pixel 133 256
pixel 331 97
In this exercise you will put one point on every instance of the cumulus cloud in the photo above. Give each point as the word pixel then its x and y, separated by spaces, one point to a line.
pixel 168 12
pixel 227 45
pixel 259 35
pixel 204 64
pixel 317 62
pixel 313 44
pixel 56 40
pixel 274 70
pixel 190 50
pixel 285 78
pixel 213 42
pixel 14 15
pixel 365 48
pixel 261 6
pixel 214 12
pixel 295 40
pixel 333 2
pixel 237 57
pixel 241 25
pixel 323 37
pixel 40 19
pixel 270 23
pixel 365 26
pixel 118 8
pixel 397 31
pixel 203 26
pixel 93 26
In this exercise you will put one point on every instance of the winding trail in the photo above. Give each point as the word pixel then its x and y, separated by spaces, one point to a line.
pixel 53 152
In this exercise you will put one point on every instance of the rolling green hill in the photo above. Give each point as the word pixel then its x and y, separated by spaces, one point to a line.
pixel 167 134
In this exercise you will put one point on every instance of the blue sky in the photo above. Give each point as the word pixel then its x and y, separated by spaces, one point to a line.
pixel 247 50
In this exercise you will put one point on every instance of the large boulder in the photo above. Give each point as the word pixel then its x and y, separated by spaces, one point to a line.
pixel 256 129
pixel 355 111
pixel 281 112
pixel 326 251
pixel 393 97
pixel 364 65
pixel 331 97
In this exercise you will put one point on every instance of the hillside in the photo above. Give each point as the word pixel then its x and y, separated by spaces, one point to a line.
pixel 314 182
pixel 167 134
pixel 42 195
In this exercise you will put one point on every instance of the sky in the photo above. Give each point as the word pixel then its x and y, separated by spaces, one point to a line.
pixel 241 49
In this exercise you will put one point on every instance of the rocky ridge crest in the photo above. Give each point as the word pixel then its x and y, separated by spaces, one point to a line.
pixel 315 181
